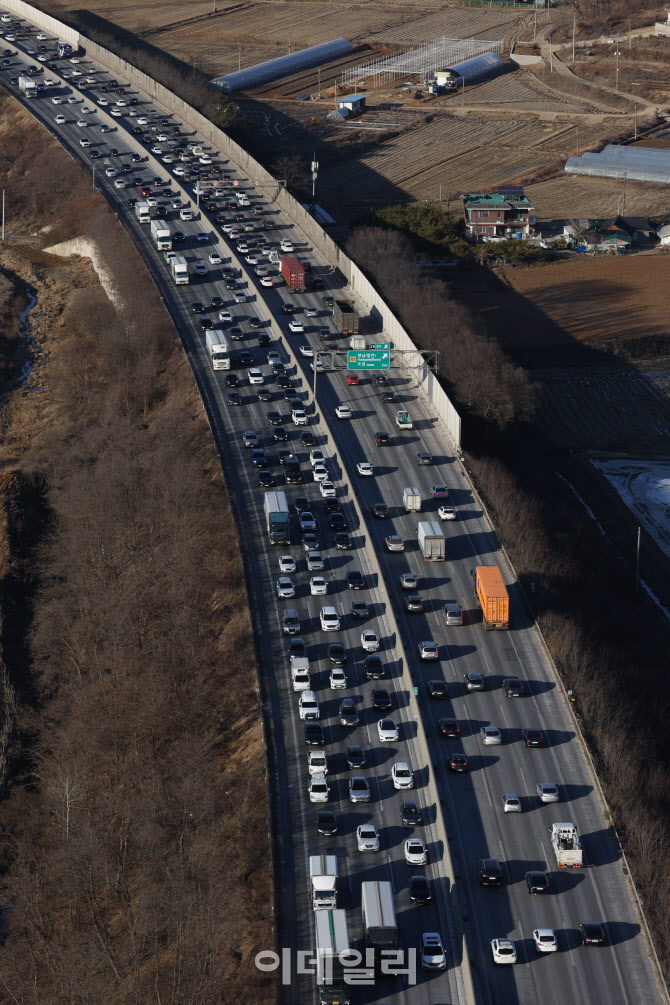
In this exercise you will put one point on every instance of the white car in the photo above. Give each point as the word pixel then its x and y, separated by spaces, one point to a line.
pixel 343 412
pixel 167 159
pixel 88 111
pixel 402 776
pixel 251 259
pixel 327 490
pixel 82 123
pixel 116 113
pixel 110 172
pixel 287 246
pixel 316 456
pixel 121 103
pixel 432 954
pixel 226 317
pixel 306 350
pixel 330 621
pixel 314 561
pixel 287 563
pixel 415 852
pixel 240 298
pixel 318 587
pixel 103 101
pixel 367 837
pixel 428 651
pixel 119 183
pixel 299 418
pixel 317 762
pixel 338 678
pixel 387 730
pixel 142 121
pixel 504 951
pixel 491 735
pixel 179 171
pixel 200 269
pixel 296 326
pixel 548 792
pixel 59 120
pixel 84 143
pixel 320 473
pixel 545 940
pixel 365 468
pixel 256 377
pixel 369 641
pixel 308 706
pixel 511 803
pixel 185 214
pixel 446 513
pixel 319 791
pixel 57 101
pixel 285 588
pixel 214 258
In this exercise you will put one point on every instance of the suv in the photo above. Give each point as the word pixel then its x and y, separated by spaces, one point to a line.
pixel 330 621
pixel 513 687
pixel 291 622
pixel 489 872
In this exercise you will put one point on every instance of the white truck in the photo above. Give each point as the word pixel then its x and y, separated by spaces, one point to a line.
pixel 217 347
pixel 411 499
pixel 161 236
pixel 332 940
pixel 403 420
pixel 380 928
pixel 143 212
pixel 28 86
pixel 323 880
pixel 567 846
pixel 431 541
pixel 357 342
pixel 179 270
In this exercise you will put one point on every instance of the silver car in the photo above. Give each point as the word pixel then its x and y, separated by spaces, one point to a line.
pixel 548 792
pixel 359 789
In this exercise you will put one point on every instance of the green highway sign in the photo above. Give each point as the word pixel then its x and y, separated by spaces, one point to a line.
pixel 368 359
pixel 382 345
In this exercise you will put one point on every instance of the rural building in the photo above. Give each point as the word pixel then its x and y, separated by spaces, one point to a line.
pixel 664 235
pixel 475 68
pixel 505 214
pixel 272 69
pixel 353 103
pixel 630 230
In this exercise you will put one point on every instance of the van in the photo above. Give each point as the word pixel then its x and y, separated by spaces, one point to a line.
pixel 291 622
pixel 308 706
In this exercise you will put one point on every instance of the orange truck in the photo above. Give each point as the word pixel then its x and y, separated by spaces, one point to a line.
pixel 492 596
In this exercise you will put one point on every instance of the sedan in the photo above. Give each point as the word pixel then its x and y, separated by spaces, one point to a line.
pixel 439 491
pixel 265 478
pixel 446 512
pixel 364 468
pixel 355 580
pixel 369 641
pixel 537 882
pixel 410 814
pixel 415 852
pixel 380 510
pixel 504 951
pixel 296 326
pixel 449 727
pixel 532 737
pixel 355 756
pixel 367 837
pixel 267 281
pixel 381 699
pixel 548 792
pixel 432 954
pixel 359 609
pixel 337 653
pixel 545 940
pixel 389 397
pixel 200 269
pixel 234 398
pixel 285 588
pixel 428 651
pixel 348 714
pixel 306 350
pixel 438 689
pixel 592 933
pixel 287 563
pixel 318 587
pixel 352 379
pixel 314 736
pixel 419 890
pixel 343 411
pixel 359 789
pixel 423 458
pixel 320 473
pixel 513 687
pixel 408 581
pixel 394 542
pixel 338 679
pixel 458 762
pixel 491 735
pixel 489 872
pixel 214 258
pixel 387 731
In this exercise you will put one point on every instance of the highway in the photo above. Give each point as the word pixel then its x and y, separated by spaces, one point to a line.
pixel 471 803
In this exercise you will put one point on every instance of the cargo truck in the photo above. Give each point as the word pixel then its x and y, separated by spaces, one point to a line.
pixel 293 274
pixel 432 541
pixel 567 846
pixel 28 86
pixel 323 879
pixel 179 270
pixel 403 420
pixel 492 596
pixel 357 342
pixel 277 519
pixel 161 236
pixel 143 212
pixel 379 921
pixel 411 499
pixel 332 940
pixel 217 347
pixel 345 316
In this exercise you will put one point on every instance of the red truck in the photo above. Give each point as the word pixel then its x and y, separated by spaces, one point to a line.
pixel 492 596
pixel 294 275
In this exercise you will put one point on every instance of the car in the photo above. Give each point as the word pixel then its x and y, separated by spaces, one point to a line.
pixel 408 581
pixel 234 398
pixel 387 730
pixel 251 259
pixel 287 563
pixel 326 823
pixel 318 586
pixel 316 456
pixel 457 761
pixel 473 682
pixel 185 214
pixel 287 245
pixel 178 236
pixel 439 491
pixel 267 281
pixel 401 776
pixel 308 706
pixel 352 379
pixel 373 666
pixel 214 258
pixel 438 689
pixel 239 298
pixel 367 837
pixel 414 604
pixel 59 120
pixel 355 580
pixel 394 542
pixel 432 955
pixel 347 713
pixel 446 512
pixel 511 803
pixel 453 615
pixel 314 735
pixel 255 376
pixel 419 890
pixel 365 468
pixel 545 940
pixel 296 326
pixel 338 679
pixel 428 651
pixel 337 653
pixel 423 458
pixel 306 519
pixel 202 238
pixel 415 852
pixel 490 735
pixel 310 542
pixel 320 473
pixel 489 872
pixel 548 792
pixel 359 789
pixel 110 172
pixel 343 411
pixel 592 933
pixel 355 756
pixel 537 882
pixel 200 269
pixel 389 397
pixel 504 951
pixel 513 687
pixel 359 609
pixel 327 490
pixel 266 478
pixel 380 510
pixel 314 561
pixel 264 394
pixel 381 699
pixel 285 588
pixel 274 418
pixel 382 439
pixel 449 727
pixel 306 350
pixel 410 814
pixel 318 788
pixel 369 641
pixel 532 737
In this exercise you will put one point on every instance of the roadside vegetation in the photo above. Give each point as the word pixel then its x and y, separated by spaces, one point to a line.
pixel 134 858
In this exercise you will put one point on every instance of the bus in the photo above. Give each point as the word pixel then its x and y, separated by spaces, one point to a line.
pixel 63 49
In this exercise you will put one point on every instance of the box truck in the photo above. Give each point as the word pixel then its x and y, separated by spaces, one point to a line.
pixel 492 596
pixel 323 879
pixel 143 212
pixel 411 500
pixel 217 347
pixel 28 86
pixel 431 541
pixel 345 317
pixel 179 270
pixel 293 274
pixel 161 236
pixel 379 921
pixel 332 941
pixel 277 518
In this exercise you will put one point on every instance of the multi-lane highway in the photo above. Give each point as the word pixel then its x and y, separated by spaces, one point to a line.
pixel 471 802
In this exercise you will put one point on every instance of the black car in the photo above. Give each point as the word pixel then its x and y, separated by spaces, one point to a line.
pixel 537 882
pixel 389 398
pixel 307 439
pixel 342 541
pixel 301 503
pixel 131 202
pixel 380 510
pixel 216 303
pixel 234 398
pixel 198 308
pixel 348 714
pixel 381 699
pixel 296 647
pixel 231 284
pixel 380 378
pixel 359 609
pixel 287 309
pixel 355 580
pixel 337 653
pixel 274 418
pixel 438 689
pixel 177 237
pixel 246 358
pixel 236 333
pixel 95 155
pixel 283 455
pixel 383 439
pixel 326 821
pixel 255 323
pixel 419 890
pixel 283 381
pixel 532 737
pixel 264 394
pixel 410 814
pixel 161 211
pixel 264 339
pixel 355 757
pixel 489 872
pixel 457 762
pixel 279 434
pixel 269 225
pixel 206 324
pixel 449 727
pixel 314 736
pixel 332 505
pixel 232 380
pixel 336 520
pixel 265 478
pixel 293 474
pixel 513 687
pixel 373 666
pixel 592 933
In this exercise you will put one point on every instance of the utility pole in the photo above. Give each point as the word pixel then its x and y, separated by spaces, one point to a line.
pixel 574 25
pixel 578 141
pixel 551 57
pixel 3 194
pixel 239 57
pixel 636 120
pixel 319 72
pixel 637 561
pixel 440 197
pixel 535 24
pixel 315 171
pixel 617 61
pixel 463 91
pixel 289 43
pixel 629 34
pixel 623 211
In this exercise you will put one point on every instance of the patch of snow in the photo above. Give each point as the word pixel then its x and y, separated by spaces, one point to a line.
pixel 587 508
pixel 644 486
pixel 85 248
